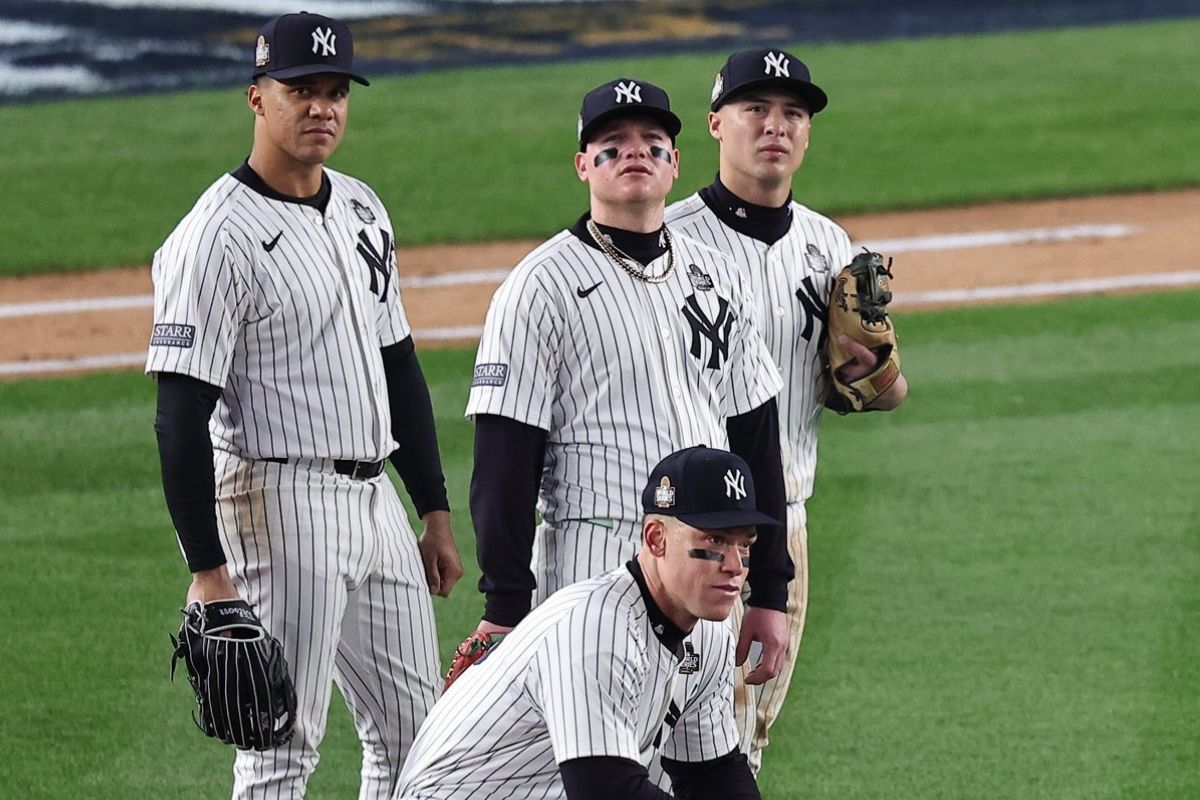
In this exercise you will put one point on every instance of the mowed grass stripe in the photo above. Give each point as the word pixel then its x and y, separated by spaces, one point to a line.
pixel 1003 575
pixel 482 154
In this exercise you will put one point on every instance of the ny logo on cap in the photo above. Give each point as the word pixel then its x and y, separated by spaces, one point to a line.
pixel 735 484
pixel 325 39
pixel 628 92
pixel 776 64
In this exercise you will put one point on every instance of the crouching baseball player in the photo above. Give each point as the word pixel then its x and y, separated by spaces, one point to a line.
pixel 609 672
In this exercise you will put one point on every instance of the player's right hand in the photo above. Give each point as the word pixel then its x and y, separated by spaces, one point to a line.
pixel 439 553
pixel 490 627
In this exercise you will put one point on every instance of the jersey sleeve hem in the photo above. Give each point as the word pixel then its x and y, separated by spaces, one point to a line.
pixel 475 408
pixel 763 392
pixel 154 367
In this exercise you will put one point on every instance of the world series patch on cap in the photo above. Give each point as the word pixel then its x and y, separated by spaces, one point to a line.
pixel 767 69
pixel 294 45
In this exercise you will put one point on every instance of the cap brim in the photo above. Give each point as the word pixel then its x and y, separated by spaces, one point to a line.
pixel 313 69
pixel 814 97
pixel 671 123
pixel 720 520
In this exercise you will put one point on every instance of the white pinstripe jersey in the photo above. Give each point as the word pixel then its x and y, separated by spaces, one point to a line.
pixel 619 371
pixel 286 310
pixel 791 280
pixel 583 675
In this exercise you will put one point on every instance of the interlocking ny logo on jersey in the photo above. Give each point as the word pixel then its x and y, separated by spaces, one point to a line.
pixel 812 307
pixel 776 65
pixel 326 40
pixel 674 712
pixel 377 261
pixel 716 331
pixel 735 484
pixel 628 92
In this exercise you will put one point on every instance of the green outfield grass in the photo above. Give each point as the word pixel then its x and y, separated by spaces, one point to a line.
pixel 1003 596
pixel 486 154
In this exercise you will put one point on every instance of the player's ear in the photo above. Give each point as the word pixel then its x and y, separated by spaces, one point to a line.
pixel 714 125
pixel 581 166
pixel 654 537
pixel 254 99
pixel 675 163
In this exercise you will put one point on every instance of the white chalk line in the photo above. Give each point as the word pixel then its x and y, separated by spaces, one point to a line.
pixel 944 297
pixel 1049 288
pixel 468 333
pixel 952 241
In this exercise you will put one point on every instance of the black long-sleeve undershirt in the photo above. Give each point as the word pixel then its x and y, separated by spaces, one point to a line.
pixel 416 458
pixel 509 457
pixel 725 778
pixel 755 437
pixel 606 777
pixel 185 405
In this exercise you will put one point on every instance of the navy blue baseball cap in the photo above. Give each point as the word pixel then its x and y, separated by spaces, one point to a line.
pixel 775 69
pixel 706 488
pixel 294 45
pixel 625 97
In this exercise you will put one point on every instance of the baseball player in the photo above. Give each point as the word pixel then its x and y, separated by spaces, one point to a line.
pixel 763 102
pixel 614 343
pixel 600 678
pixel 276 306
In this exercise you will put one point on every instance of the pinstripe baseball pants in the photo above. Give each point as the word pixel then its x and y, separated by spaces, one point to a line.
pixel 331 566
pixel 757 707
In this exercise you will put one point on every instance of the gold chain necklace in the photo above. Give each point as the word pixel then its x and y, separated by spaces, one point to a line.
pixel 622 260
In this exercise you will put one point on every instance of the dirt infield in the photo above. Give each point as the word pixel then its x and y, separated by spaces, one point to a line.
pixel 1147 234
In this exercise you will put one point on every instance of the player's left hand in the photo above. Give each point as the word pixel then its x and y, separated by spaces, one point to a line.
pixel 864 362
pixel 439 553
pixel 770 628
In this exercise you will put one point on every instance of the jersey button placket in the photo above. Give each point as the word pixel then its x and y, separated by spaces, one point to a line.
pixel 357 319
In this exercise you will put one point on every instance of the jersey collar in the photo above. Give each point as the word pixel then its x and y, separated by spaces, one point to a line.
pixel 641 247
pixel 667 632
pixel 252 180
pixel 768 225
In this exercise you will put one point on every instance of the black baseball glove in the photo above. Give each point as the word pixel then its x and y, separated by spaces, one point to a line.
pixel 244 695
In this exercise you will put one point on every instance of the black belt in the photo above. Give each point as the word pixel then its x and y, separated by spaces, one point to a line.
pixel 359 470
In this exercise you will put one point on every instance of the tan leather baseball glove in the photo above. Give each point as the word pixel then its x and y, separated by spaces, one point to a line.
pixel 858 309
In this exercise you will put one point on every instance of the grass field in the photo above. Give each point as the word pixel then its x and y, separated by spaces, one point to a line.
pixel 1004 576
pixel 486 154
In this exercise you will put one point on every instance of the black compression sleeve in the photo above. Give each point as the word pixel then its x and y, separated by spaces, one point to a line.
pixel 416 458
pixel 727 778
pixel 185 405
pixel 504 488
pixel 755 437
pixel 606 777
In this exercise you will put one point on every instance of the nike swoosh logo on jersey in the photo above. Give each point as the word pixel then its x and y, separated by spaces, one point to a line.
pixel 582 292
pixel 275 241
